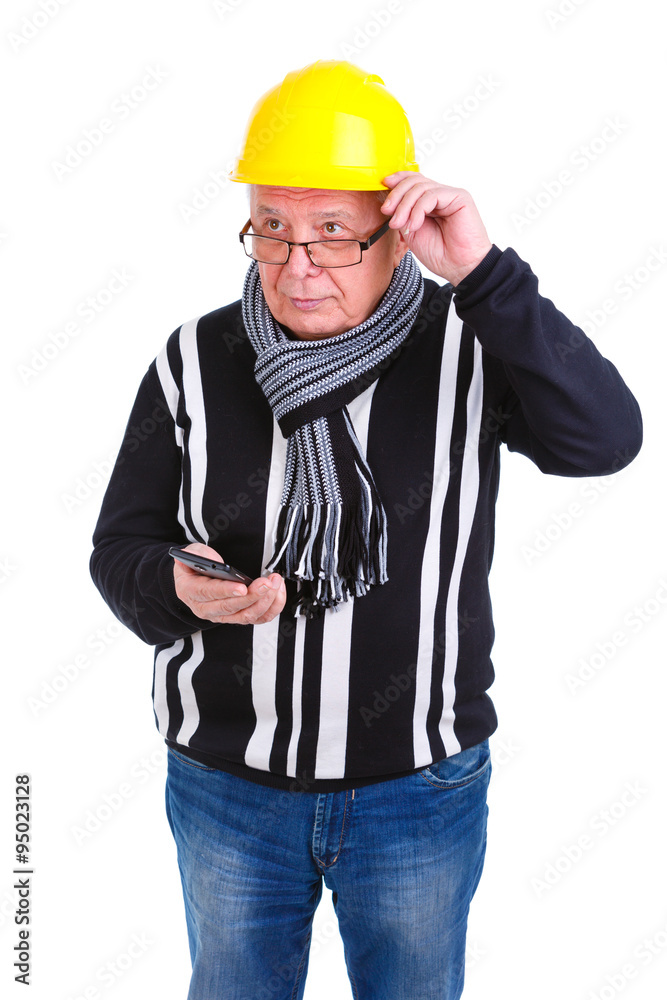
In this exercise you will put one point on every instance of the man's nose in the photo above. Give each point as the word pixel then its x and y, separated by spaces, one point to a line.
pixel 299 263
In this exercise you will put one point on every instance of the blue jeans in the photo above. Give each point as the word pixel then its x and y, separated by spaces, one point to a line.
pixel 402 858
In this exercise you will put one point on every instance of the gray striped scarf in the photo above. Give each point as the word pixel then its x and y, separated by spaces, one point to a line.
pixel 331 532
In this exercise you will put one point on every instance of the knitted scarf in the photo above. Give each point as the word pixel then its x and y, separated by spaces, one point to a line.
pixel 331 532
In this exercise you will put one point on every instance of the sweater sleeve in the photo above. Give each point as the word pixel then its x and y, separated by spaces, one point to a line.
pixel 138 523
pixel 568 409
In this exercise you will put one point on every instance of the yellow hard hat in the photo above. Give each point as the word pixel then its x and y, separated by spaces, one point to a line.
pixel 328 125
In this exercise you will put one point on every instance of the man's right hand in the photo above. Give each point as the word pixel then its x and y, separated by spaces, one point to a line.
pixel 225 601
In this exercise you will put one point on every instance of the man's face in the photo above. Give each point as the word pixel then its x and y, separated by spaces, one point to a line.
pixel 316 302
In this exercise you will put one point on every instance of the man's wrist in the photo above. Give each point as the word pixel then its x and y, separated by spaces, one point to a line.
pixel 476 275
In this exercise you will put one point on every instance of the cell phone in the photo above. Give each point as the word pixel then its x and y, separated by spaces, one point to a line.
pixel 209 567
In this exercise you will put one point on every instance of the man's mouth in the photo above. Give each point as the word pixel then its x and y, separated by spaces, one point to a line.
pixel 305 303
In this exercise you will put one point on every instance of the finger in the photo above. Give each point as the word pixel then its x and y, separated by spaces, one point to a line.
pixel 270 603
pixel 264 609
pixel 277 605
pixel 415 216
pixel 413 210
pixel 399 176
pixel 246 608
pixel 204 589
pixel 393 200
pixel 271 600
pixel 408 181
pixel 419 201
pixel 189 579
pixel 401 214
pixel 400 183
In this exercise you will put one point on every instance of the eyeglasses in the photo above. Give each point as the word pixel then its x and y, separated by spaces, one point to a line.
pixel 322 253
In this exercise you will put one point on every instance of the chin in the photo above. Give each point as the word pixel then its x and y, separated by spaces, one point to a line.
pixel 313 333
pixel 309 326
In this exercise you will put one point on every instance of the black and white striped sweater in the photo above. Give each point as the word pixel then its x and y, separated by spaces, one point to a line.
pixel 397 679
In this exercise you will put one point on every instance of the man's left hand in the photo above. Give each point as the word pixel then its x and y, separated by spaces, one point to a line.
pixel 440 224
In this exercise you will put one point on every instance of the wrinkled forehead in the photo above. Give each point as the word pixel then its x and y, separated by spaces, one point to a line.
pixel 267 199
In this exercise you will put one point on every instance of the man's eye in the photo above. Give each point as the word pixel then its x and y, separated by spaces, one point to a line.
pixel 273 225
pixel 332 228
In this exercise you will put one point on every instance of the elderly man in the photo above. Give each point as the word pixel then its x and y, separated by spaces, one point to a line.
pixel 335 435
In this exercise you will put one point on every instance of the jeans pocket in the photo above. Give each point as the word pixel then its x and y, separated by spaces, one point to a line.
pixel 461 768
pixel 182 759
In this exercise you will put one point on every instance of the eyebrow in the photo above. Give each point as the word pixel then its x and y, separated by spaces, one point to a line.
pixel 333 213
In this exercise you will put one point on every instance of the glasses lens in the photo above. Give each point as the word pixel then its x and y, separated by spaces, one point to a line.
pixel 266 250
pixel 335 253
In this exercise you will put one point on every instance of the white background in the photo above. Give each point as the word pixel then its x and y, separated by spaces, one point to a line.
pixel 535 90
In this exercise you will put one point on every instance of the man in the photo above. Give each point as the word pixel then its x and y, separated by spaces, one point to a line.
pixel 335 435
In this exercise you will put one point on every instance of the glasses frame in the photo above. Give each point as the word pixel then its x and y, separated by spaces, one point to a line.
pixel 363 245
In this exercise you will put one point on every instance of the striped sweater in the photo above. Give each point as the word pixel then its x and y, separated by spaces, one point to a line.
pixel 397 679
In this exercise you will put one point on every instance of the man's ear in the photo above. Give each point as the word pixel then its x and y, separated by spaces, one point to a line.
pixel 401 248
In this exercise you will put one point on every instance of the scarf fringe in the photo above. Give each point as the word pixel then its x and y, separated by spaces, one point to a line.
pixel 332 550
